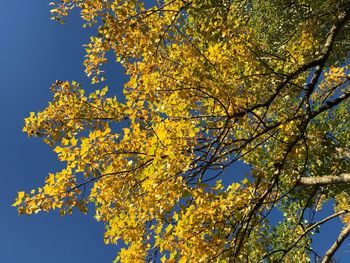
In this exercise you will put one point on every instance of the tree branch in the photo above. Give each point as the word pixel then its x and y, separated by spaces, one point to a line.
pixel 343 178
pixel 331 251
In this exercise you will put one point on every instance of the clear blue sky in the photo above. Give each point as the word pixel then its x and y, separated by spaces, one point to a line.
pixel 34 52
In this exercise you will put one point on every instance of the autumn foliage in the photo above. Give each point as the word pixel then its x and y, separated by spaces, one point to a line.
pixel 211 82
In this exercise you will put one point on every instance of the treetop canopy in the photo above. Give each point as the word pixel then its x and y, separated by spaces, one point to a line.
pixel 211 82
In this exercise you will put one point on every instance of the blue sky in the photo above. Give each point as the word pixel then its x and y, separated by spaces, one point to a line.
pixel 34 52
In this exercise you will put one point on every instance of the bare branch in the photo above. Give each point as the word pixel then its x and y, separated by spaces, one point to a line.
pixel 343 178
pixel 331 251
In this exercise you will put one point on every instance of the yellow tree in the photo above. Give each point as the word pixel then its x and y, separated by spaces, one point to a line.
pixel 211 82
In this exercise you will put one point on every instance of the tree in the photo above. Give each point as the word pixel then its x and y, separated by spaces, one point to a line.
pixel 211 82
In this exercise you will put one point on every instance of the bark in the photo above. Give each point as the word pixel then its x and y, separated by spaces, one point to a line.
pixel 343 178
